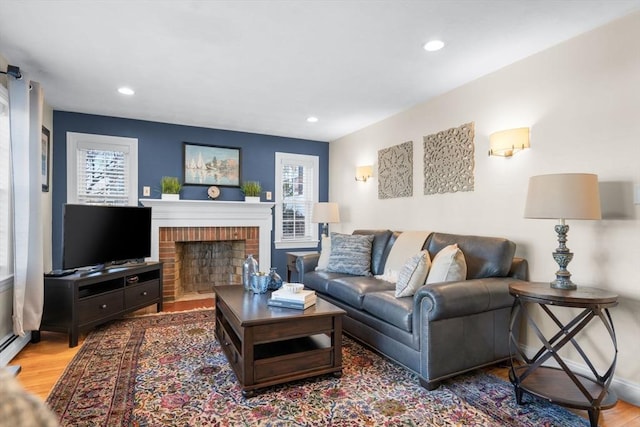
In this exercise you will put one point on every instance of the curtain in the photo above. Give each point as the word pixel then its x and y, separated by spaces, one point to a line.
pixel 25 115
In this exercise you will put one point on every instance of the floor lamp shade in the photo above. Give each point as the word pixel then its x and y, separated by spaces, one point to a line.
pixel 325 213
pixel 561 197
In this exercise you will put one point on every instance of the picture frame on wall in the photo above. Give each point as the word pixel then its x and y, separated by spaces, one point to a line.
pixel 211 165
pixel 46 147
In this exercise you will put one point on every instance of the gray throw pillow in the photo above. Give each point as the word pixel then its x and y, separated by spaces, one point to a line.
pixel 350 254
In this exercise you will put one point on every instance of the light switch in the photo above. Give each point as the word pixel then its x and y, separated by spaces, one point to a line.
pixel 268 195
pixel 146 191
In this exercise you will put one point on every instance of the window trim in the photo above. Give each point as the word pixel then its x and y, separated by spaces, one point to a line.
pixel 281 157
pixel 104 142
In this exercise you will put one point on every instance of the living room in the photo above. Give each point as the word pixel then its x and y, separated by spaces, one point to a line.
pixel 579 98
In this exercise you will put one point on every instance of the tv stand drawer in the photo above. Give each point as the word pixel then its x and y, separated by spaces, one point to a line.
pixel 90 309
pixel 143 294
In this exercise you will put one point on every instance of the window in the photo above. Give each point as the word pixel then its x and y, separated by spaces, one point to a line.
pixel 6 261
pixel 296 192
pixel 102 170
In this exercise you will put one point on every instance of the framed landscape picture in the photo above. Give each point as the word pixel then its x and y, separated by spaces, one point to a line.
pixel 211 165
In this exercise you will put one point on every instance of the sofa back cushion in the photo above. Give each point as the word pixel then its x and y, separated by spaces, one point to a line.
pixel 484 256
pixel 379 249
pixel 350 254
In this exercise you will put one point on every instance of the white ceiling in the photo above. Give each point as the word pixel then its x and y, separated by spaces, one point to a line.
pixel 264 66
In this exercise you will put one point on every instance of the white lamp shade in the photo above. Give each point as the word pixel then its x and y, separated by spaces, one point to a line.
pixel 325 212
pixel 506 142
pixel 563 196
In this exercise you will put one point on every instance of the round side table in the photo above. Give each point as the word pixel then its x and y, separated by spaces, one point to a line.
pixel 559 384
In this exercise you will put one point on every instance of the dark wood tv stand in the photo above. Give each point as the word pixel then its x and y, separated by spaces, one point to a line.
pixel 83 300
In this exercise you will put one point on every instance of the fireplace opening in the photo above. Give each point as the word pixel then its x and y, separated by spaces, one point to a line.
pixel 214 256
pixel 206 264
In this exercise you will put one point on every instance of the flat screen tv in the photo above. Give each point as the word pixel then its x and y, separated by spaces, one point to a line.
pixel 98 236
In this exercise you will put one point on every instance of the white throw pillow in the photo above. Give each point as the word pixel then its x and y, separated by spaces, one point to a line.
pixel 448 265
pixel 325 252
pixel 413 274
pixel 389 275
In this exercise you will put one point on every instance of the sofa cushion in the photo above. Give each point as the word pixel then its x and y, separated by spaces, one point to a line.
pixel 485 256
pixel 382 242
pixel 350 254
pixel 384 305
pixel 448 266
pixel 413 274
pixel 352 289
pixel 319 280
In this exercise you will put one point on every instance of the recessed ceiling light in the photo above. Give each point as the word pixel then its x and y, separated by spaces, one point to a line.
pixel 312 119
pixel 126 91
pixel 433 45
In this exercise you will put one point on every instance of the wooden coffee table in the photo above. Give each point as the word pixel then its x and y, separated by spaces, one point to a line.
pixel 272 345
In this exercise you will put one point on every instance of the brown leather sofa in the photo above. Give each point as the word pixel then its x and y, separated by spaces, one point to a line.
pixel 444 329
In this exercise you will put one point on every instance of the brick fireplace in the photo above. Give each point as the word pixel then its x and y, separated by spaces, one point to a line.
pixel 177 223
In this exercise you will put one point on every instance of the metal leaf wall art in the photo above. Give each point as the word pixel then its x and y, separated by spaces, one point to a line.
pixel 449 160
pixel 395 171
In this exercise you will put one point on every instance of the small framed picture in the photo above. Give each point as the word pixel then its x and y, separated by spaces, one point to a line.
pixel 46 147
pixel 211 165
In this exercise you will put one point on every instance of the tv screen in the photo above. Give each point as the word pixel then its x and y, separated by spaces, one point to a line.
pixel 94 235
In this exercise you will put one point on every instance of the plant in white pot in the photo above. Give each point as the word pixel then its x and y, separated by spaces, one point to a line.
pixel 170 187
pixel 251 191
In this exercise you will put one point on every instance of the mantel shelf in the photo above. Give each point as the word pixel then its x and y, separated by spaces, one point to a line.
pixel 211 213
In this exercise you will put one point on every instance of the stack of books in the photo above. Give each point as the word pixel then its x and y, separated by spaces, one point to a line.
pixel 300 300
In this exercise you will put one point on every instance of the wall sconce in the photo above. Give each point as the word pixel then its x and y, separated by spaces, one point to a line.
pixel 363 173
pixel 507 142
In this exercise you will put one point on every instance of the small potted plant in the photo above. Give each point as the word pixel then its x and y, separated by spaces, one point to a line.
pixel 251 191
pixel 170 187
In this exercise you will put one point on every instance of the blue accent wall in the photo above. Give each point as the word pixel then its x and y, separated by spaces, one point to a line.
pixel 160 153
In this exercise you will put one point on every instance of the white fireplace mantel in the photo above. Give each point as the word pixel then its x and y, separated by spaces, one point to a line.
pixel 207 213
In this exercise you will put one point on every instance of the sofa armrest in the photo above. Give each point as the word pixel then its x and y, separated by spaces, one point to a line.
pixel 305 264
pixel 455 299
pixel 519 269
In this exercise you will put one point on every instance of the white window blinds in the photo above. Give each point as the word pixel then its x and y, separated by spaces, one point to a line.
pixel 296 192
pixel 102 169
pixel 103 176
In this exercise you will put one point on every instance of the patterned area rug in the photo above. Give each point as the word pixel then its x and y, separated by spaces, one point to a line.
pixel 169 370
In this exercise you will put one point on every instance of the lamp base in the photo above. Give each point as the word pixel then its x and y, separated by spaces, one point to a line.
pixel 566 284
pixel 563 257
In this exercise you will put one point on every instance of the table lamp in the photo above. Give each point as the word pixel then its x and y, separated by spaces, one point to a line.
pixel 325 213
pixel 563 196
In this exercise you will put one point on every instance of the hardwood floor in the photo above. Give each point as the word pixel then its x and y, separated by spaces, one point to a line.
pixel 43 363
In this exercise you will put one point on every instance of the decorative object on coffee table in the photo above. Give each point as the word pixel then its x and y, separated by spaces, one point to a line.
pixel 260 282
pixel 249 268
pixel 563 196
pixel 275 281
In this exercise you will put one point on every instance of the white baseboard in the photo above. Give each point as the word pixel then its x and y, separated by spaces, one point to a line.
pixel 8 353
pixel 625 390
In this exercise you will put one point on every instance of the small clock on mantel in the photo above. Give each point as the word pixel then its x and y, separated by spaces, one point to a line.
pixel 213 192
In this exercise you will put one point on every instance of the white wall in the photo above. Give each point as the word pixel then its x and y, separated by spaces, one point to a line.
pixel 582 102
